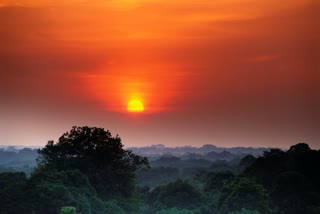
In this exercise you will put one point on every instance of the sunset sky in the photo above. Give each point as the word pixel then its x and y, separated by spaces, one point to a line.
pixel 223 72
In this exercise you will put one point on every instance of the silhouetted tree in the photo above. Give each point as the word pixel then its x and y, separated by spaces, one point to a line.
pixel 273 153
pixel 299 148
pixel 292 178
pixel 97 154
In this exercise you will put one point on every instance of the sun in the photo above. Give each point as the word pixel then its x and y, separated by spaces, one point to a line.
pixel 135 106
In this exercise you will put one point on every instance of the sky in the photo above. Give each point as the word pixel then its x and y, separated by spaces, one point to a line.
pixel 222 72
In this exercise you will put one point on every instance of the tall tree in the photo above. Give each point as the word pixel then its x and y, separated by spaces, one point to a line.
pixel 97 154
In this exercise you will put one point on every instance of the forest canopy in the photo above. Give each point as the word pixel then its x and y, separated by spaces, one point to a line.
pixel 88 171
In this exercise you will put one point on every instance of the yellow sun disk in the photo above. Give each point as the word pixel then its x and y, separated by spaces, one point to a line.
pixel 135 106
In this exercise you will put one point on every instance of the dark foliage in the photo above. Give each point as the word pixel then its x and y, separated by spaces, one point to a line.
pixel 98 155
pixel 87 171
pixel 292 178
pixel 178 194
pixel 244 193
pixel 13 197
pixel 217 180
pixel 54 189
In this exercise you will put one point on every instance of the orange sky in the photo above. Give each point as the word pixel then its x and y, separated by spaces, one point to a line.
pixel 227 72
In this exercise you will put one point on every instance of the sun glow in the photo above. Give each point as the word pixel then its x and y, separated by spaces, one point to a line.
pixel 135 106
pixel 133 89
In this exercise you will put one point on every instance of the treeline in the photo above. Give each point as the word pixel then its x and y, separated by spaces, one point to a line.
pixel 208 151
pixel 18 160
pixel 168 169
pixel 87 171
pixel 185 161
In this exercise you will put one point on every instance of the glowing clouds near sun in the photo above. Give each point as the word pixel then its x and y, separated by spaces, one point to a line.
pixel 134 87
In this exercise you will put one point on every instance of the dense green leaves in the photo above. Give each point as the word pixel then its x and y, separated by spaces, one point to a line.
pixel 55 189
pixel 178 194
pixel 244 193
pixel 68 210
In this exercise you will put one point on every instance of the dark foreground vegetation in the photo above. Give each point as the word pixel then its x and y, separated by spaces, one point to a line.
pixel 88 171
